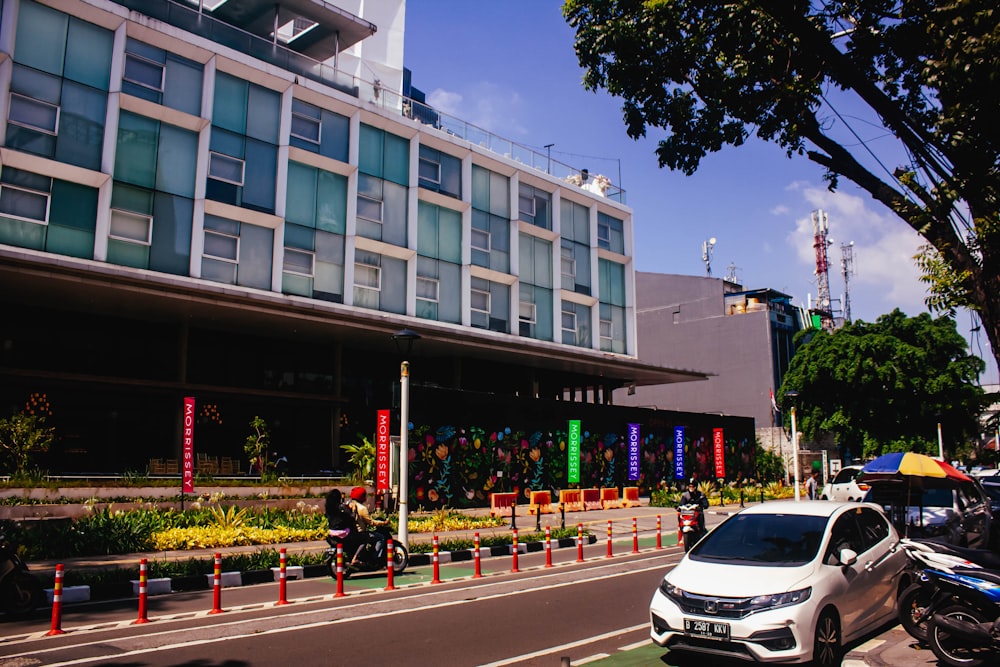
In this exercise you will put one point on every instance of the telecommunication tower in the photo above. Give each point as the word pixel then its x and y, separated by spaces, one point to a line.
pixel 824 307
pixel 706 255
pixel 847 270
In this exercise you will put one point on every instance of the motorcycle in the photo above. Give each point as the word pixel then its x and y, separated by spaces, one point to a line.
pixel 689 524
pixel 966 633
pixel 373 555
pixel 921 599
pixel 20 591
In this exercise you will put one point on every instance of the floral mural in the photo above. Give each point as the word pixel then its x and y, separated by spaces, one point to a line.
pixel 459 466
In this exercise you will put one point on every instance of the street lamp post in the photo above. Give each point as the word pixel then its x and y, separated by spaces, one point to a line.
pixel 404 337
pixel 795 441
pixel 940 443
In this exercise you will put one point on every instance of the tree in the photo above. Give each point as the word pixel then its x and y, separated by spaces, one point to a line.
pixel 362 457
pixel 712 71
pixel 256 446
pixel 22 436
pixel 885 386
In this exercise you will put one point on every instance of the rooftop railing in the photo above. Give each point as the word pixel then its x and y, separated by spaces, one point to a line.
pixel 211 28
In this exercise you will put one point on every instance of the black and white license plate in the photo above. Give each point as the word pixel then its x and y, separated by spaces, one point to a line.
pixel 711 629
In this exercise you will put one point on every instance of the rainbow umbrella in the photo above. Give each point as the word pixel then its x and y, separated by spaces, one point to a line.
pixel 909 465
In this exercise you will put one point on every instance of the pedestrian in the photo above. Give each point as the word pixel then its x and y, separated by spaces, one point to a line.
pixel 812 486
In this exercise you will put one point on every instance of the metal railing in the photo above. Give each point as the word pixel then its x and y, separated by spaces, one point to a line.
pixel 211 28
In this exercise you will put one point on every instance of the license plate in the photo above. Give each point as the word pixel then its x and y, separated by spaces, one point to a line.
pixel 710 629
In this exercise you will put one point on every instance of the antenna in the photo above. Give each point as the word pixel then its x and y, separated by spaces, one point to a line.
pixel 731 274
pixel 706 255
pixel 824 307
pixel 847 270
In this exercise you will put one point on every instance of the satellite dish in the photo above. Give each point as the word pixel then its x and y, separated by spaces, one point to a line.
pixel 711 241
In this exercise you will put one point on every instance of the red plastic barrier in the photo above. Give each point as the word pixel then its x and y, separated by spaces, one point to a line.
pixel 390 571
pixel 57 604
pixel 579 543
pixel 475 556
pixel 514 552
pixel 659 536
pixel 609 539
pixel 282 576
pixel 437 566
pixel 217 586
pixel 143 593
pixel 340 571
pixel 548 547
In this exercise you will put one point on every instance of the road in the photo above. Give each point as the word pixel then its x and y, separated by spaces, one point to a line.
pixel 595 611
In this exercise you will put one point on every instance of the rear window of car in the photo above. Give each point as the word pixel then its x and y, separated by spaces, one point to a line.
pixel 786 540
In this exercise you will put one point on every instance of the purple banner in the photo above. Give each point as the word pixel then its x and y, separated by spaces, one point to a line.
pixel 678 452
pixel 633 452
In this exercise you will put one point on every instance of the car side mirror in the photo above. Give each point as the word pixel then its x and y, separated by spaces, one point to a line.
pixel 848 557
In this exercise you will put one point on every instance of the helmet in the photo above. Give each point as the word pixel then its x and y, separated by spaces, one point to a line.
pixel 358 493
pixel 692 482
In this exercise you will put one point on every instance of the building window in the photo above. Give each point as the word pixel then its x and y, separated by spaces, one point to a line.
pixel 143 72
pixel 33 114
pixel 526 317
pixel 569 327
pixel 368 277
pixel 222 246
pixel 480 241
pixel 369 209
pixel 428 291
pixel 306 122
pixel 429 171
pixel 299 262
pixel 226 168
pixel 568 266
pixel 603 235
pixel 534 206
pixel 607 334
pixel 131 227
pixel 24 202
pixel 479 301
pixel 610 233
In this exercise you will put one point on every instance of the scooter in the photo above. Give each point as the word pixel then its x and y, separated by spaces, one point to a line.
pixel 689 524
pixel 20 591
pixel 373 556
pixel 921 599
pixel 966 633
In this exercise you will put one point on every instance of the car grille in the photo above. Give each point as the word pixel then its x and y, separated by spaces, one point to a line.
pixel 731 649
pixel 704 605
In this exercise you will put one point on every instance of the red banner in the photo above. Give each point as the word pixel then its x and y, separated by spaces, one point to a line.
pixel 187 472
pixel 382 432
pixel 719 447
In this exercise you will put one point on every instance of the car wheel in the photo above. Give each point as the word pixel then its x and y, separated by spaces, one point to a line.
pixel 826 643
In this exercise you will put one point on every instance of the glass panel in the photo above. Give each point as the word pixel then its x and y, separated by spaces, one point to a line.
pixel 36 85
pixel 335 138
pixel 41 37
pixel 81 125
pixel 450 294
pixel 171 249
pixel 74 205
pixel 24 204
pixel 128 254
pixel 223 225
pixel 429 171
pixel 451 176
pixel 230 106
pixel 392 298
pixel 480 188
pixel 135 158
pixel 263 114
pixel 70 241
pixel 331 202
pixel 395 201
pixel 130 227
pixel 542 257
pixel 295 284
pixel 225 168
pixel 396 160
pixel 329 265
pixel 222 246
pixel 144 73
pixel 219 271
pixel 256 256
pixel 22 234
pixel 33 113
pixel 450 236
pixel 182 88
pixel 88 54
pixel 369 209
pixel 427 229
pixel 367 276
pixel 499 195
pixel 176 161
pixel 297 236
pixel 370 151
pixel 300 199
pixel 227 143
pixel 427 288
pixel 260 176
pixel 298 261
pixel 306 129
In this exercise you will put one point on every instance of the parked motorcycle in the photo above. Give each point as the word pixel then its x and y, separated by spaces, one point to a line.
pixel 20 591
pixel 921 599
pixel 966 633
pixel 689 524
pixel 373 556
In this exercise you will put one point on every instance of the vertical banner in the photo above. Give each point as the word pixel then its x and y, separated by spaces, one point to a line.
pixel 719 451
pixel 187 472
pixel 382 435
pixel 573 451
pixel 633 452
pixel 678 452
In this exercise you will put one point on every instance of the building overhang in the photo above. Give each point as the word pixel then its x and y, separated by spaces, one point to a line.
pixel 43 279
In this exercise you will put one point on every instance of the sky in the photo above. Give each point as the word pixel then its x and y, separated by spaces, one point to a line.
pixel 509 67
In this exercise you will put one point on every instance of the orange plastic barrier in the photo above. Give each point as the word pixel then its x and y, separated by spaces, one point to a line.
pixel 591 499
pixel 541 502
pixel 630 496
pixel 609 498
pixel 571 499
pixel 501 504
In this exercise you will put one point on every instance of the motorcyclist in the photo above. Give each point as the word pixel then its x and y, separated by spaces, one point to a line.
pixel 363 521
pixel 693 496
pixel 340 523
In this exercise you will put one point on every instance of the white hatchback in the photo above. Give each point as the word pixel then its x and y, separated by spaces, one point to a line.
pixel 782 581
pixel 844 485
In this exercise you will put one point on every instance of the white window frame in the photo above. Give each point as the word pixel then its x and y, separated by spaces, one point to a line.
pixel 31 100
pixel 473 293
pixel 40 193
pixel 426 161
pixel 212 156
pixel 381 209
pixel 377 287
pixel 425 282
pixel 230 260
pixel 304 253
pixel 608 338
pixel 312 121
pixel 121 213
pixel 481 233
pixel 143 84
pixel 562 322
pixel 531 200
pixel 563 259
pixel 603 239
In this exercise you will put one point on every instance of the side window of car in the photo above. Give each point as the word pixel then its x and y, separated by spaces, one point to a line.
pixel 844 476
pixel 874 527
pixel 843 535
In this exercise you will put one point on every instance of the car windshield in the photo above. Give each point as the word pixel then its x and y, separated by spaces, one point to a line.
pixel 785 540
pixel 993 491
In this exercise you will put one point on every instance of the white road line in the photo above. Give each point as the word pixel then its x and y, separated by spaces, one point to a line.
pixel 591 658
pixel 555 649
pixel 632 647
pixel 327 622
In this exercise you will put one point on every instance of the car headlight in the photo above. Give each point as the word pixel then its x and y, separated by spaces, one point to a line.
pixel 671 591
pixel 766 602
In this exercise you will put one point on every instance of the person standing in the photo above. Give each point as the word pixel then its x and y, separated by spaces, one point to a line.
pixel 812 486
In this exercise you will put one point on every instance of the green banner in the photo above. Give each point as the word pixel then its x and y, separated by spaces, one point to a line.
pixel 573 450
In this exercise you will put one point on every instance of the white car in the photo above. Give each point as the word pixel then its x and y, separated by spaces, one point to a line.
pixel 782 581
pixel 844 485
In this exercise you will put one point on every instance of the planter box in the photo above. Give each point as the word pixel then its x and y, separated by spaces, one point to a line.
pixel 312 571
pixel 153 586
pixel 111 590
pixel 291 572
pixel 70 594
pixel 251 577
pixel 194 582
pixel 227 579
